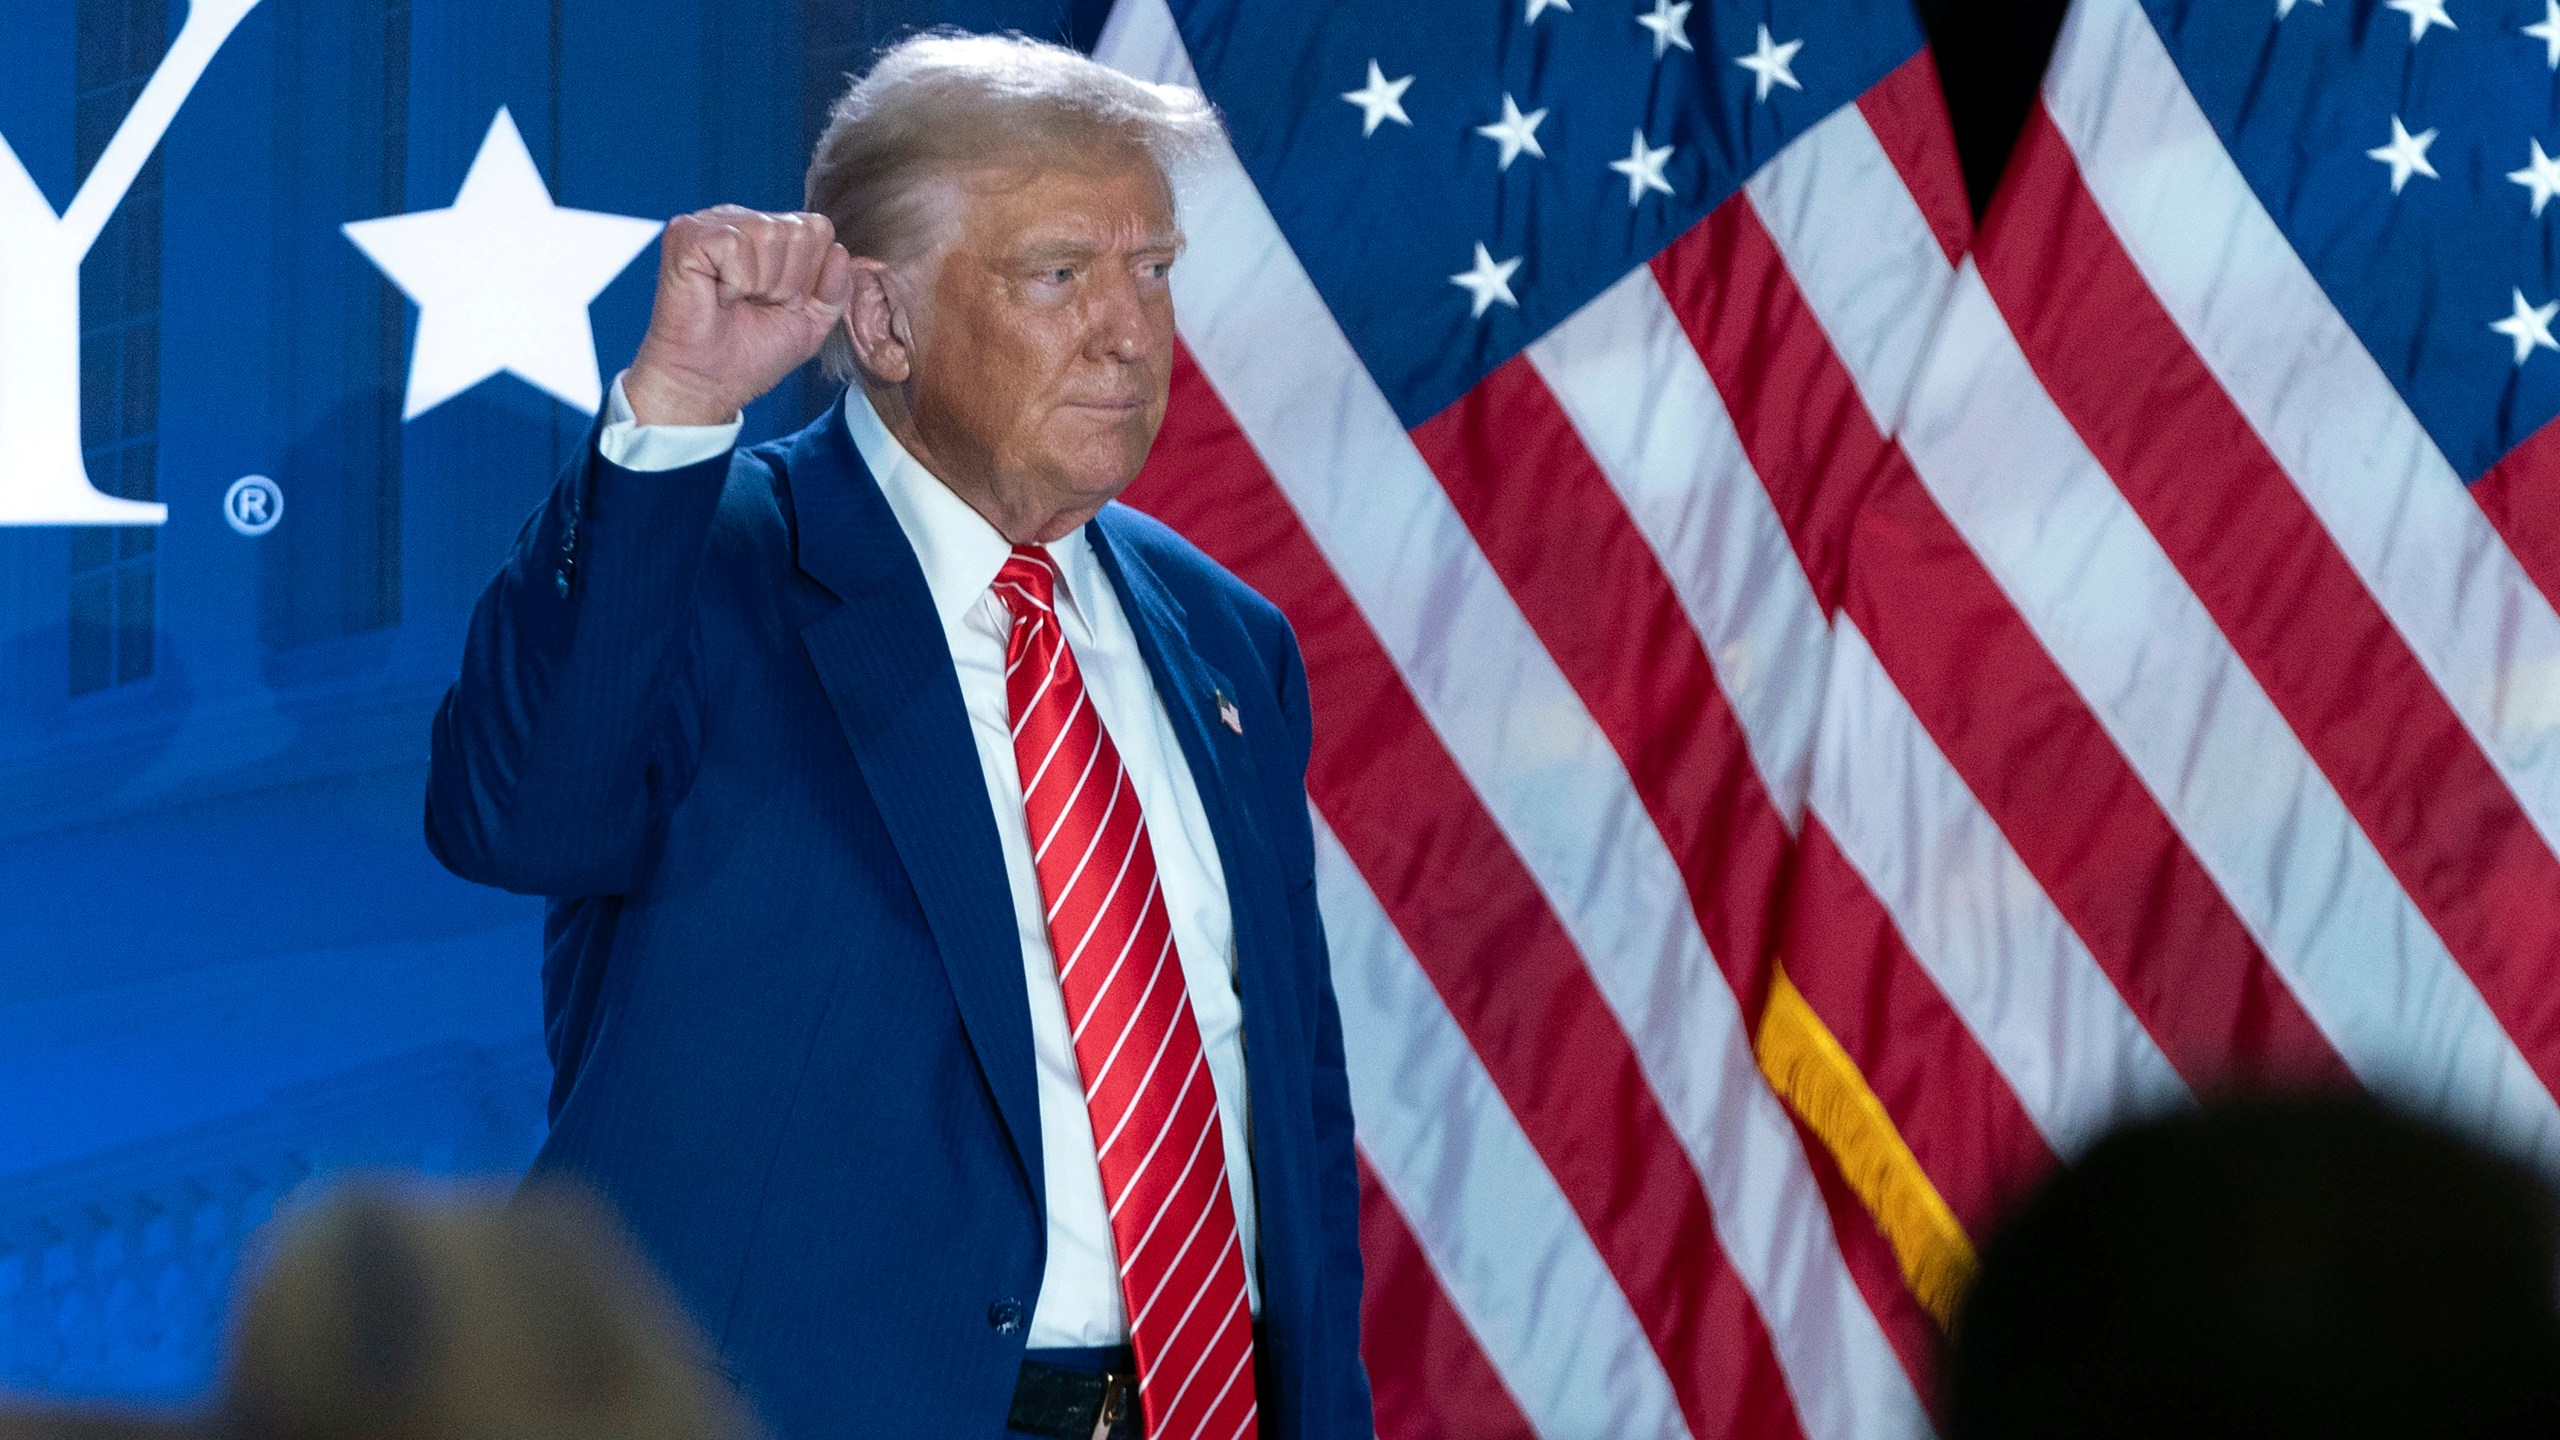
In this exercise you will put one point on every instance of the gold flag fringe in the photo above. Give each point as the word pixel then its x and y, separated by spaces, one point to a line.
pixel 1806 1065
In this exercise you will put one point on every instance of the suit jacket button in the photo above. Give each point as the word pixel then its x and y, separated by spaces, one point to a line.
pixel 1005 1316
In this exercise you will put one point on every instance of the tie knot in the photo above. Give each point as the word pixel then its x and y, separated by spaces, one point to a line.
pixel 1028 583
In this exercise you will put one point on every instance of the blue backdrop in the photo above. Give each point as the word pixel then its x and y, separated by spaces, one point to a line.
pixel 228 965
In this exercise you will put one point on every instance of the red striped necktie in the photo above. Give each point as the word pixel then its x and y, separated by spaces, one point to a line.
pixel 1146 1081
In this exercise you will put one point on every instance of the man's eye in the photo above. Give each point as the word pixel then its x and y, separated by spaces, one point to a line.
pixel 1156 269
pixel 1058 274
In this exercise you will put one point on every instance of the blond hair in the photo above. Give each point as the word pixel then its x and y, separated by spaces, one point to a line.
pixel 384 1314
pixel 944 102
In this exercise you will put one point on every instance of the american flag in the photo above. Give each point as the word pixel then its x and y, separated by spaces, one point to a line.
pixel 2194 710
pixel 1768 642
pixel 1507 374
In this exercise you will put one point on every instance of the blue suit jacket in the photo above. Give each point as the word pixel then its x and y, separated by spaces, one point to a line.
pixel 713 716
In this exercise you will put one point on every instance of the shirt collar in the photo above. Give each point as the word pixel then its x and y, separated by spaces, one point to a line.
pixel 959 550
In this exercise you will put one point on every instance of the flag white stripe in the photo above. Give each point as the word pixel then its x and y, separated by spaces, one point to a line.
pixel 1859 250
pixel 1638 395
pixel 2115 615
pixel 2049 1018
pixel 2253 313
pixel 1507 1248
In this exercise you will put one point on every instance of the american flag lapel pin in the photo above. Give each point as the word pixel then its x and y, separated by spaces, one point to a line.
pixel 1227 711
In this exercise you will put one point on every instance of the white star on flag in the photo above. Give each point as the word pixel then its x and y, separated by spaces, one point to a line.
pixel 1487 282
pixel 1643 169
pixel 2285 7
pixel 1514 132
pixel 2541 175
pixel 1379 100
pixel 1769 63
pixel 1541 7
pixel 1670 26
pixel 2529 327
pixel 2406 154
pixel 2421 13
pixel 2548 32
pixel 502 279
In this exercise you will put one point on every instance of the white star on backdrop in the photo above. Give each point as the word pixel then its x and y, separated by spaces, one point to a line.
pixel 1514 132
pixel 2421 13
pixel 502 279
pixel 2285 7
pixel 2548 32
pixel 1379 100
pixel 1643 169
pixel 1487 282
pixel 1769 63
pixel 1541 7
pixel 2541 175
pixel 2529 327
pixel 1670 26
pixel 2406 154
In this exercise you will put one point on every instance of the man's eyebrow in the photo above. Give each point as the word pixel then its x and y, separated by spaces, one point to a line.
pixel 1046 250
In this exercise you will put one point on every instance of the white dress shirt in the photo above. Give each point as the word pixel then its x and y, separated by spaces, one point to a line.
pixel 1080 1302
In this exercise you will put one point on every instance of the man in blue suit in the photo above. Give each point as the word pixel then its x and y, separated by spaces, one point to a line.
pixel 933 975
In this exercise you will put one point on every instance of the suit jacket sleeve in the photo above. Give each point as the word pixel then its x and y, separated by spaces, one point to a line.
pixel 556 748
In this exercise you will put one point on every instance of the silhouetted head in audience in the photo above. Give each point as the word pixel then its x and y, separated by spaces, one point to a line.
pixel 2270 1268
pixel 385 1316
pixel 47 1422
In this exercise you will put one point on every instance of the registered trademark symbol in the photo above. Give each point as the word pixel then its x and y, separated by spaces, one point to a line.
pixel 253 504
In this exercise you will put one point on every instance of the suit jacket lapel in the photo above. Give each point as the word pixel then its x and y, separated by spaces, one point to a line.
pixel 1222 769
pixel 887 672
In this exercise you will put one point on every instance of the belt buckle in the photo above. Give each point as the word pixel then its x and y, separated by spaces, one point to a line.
pixel 1118 1391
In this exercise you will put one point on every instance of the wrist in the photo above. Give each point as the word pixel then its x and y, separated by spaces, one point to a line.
pixel 659 396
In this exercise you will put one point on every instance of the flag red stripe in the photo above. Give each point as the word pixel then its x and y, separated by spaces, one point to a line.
pixel 1953 1108
pixel 1428 1377
pixel 2067 802
pixel 1592 588
pixel 1483 933
pixel 2521 496
pixel 1790 399
pixel 2291 604
pixel 1908 113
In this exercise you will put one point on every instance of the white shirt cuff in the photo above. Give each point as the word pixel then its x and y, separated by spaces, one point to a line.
pixel 634 446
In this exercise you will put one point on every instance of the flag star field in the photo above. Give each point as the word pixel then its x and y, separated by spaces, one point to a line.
pixel 2423 251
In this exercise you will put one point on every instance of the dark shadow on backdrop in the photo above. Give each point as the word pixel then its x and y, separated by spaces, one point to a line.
pixel 1991 56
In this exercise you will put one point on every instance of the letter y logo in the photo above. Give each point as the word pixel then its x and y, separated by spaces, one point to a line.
pixel 42 480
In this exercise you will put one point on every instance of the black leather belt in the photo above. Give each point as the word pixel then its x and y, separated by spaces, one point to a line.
pixel 1063 1404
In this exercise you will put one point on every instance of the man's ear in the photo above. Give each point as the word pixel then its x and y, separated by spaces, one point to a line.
pixel 879 322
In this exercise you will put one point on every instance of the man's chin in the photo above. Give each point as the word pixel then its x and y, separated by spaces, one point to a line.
pixel 1101 472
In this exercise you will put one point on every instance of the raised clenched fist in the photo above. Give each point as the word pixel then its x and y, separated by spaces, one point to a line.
pixel 743 298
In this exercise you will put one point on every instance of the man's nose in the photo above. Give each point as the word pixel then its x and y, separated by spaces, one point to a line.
pixel 1117 327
